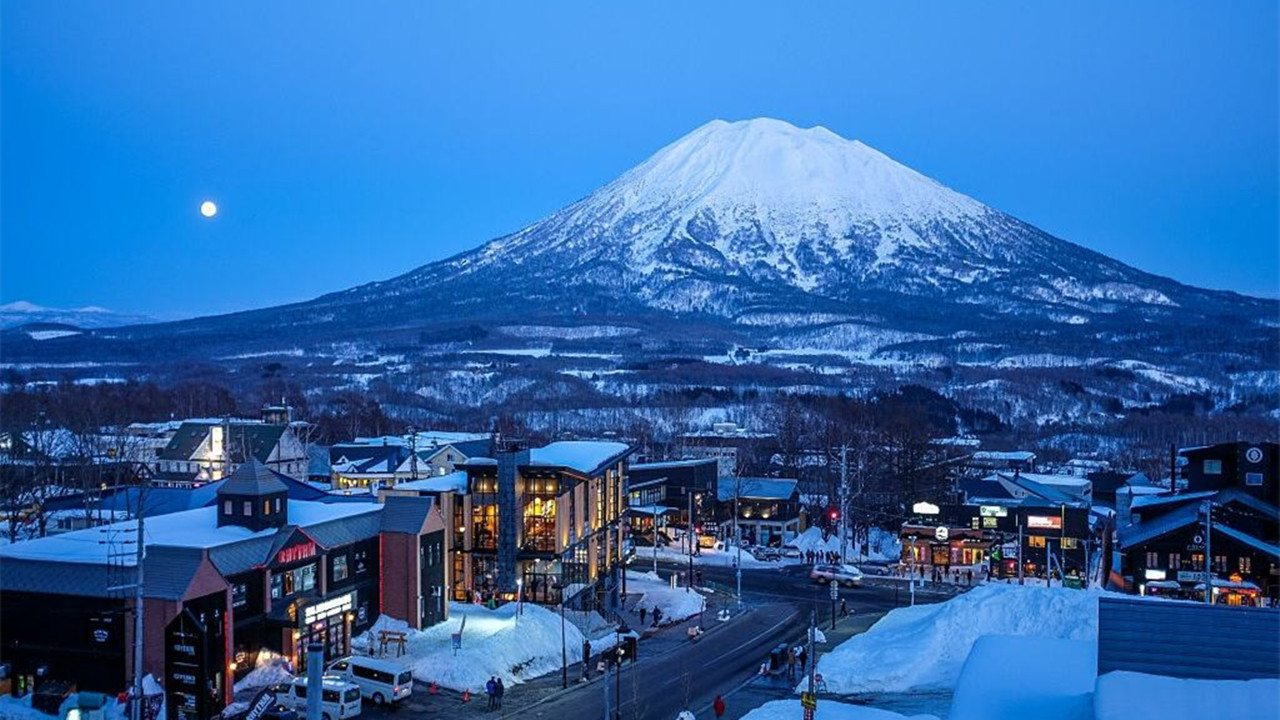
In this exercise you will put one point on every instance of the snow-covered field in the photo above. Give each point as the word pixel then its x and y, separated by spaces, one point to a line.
pixel 495 643
pixel 923 648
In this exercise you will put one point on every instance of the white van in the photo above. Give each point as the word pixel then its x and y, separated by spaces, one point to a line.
pixel 379 681
pixel 339 699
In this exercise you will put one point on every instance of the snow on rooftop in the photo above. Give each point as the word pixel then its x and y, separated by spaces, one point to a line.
pixel 1022 455
pixel 1066 480
pixel 455 482
pixel 672 464
pixel 581 455
pixel 189 529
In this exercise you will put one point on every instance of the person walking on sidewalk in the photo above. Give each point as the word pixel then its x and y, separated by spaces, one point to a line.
pixel 718 707
pixel 586 660
pixel 642 612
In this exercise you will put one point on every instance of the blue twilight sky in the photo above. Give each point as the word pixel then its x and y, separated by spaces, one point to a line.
pixel 348 142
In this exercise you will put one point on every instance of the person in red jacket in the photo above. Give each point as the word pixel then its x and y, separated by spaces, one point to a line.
pixel 718 706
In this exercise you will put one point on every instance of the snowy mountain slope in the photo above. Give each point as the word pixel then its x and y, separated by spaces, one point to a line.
pixel 25 313
pixel 761 235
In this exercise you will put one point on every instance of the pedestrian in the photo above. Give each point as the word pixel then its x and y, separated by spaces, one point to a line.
pixel 844 608
pixel 800 658
pixel 491 692
pixel 791 664
pixel 499 690
pixel 586 659
pixel 643 610
pixel 968 576
pixel 657 616
pixel 718 707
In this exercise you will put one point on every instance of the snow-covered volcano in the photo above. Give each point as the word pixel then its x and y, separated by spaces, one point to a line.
pixel 759 239
pixel 735 216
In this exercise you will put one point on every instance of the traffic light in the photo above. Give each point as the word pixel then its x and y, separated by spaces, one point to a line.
pixel 835 514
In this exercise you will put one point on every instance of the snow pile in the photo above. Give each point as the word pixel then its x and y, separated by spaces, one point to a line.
pixel 1027 677
pixel 270 669
pixel 924 647
pixel 676 603
pixel 495 643
pixel 882 545
pixel 1132 695
pixel 827 710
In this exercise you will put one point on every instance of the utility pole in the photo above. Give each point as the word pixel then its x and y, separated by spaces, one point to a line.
pixel 1207 506
pixel 564 652
pixel 737 536
pixel 912 570
pixel 413 453
pixel 689 585
pixel 1020 579
pixel 141 555
pixel 844 499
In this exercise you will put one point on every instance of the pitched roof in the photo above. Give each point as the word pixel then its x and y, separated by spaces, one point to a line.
pixel 258 438
pixel 406 513
pixel 455 482
pixel 756 488
pixel 170 570
pixel 1106 481
pixel 252 478
pixel 976 488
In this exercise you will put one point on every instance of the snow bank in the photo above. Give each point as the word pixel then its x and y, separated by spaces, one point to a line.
pixel 924 647
pixel 827 710
pixel 1027 677
pixel 271 669
pixel 882 545
pixel 676 603
pixel 1132 695
pixel 495 643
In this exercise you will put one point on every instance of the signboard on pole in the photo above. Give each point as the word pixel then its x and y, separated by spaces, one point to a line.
pixel 1044 522
pixel 808 700
pixel 941 532
pixel 835 590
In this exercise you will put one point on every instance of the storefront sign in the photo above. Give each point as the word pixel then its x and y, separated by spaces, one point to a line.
pixel 941 532
pixel 328 608
pixel 993 511
pixel 1191 576
pixel 1154 574
pixel 296 553
pixel 1044 522
pixel 925 508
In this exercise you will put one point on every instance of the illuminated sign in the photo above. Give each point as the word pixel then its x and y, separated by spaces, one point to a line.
pixel 1044 522
pixel 1154 574
pixel 328 608
pixel 993 511
pixel 296 553
pixel 925 508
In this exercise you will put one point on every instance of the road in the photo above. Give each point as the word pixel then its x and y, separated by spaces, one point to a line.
pixel 777 604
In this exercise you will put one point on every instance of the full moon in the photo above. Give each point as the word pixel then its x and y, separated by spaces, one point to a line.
pixel 208 208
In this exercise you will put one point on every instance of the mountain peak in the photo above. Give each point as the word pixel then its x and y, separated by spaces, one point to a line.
pixel 778 167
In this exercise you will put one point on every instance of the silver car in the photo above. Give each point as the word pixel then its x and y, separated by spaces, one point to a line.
pixel 846 575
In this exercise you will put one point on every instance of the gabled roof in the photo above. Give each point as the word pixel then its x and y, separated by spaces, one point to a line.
pixel 259 438
pixel 170 570
pixel 406 513
pixel 1156 500
pixel 455 482
pixel 1139 533
pixel 252 478
pixel 1108 481
pixel 756 488
pixel 974 488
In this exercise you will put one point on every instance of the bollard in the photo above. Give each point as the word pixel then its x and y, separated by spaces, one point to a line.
pixel 315 682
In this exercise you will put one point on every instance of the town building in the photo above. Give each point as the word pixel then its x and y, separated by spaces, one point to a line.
pixel 255 571
pixel 1050 539
pixel 661 492
pixel 767 510
pixel 1221 532
pixel 733 447
pixel 542 524
pixel 1020 460
pixel 202 451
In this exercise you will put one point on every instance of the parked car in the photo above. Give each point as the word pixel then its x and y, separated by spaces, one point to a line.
pixel 875 568
pixel 380 681
pixel 765 553
pixel 846 575
pixel 339 699
pixel 790 552
pixel 278 711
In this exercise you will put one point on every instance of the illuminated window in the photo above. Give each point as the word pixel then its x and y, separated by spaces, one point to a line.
pixel 1036 541
pixel 1153 559
pixel 1246 565
pixel 1212 467
pixel 1175 561
pixel 226 507
pixel 248 508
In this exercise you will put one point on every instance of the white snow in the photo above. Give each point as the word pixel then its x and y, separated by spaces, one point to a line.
pixel 581 455
pixel 1128 695
pixel 924 647
pixel 676 603
pixel 51 334
pixel 497 643
pixel 455 482
pixel 271 669
pixel 826 710
pixel 1026 677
